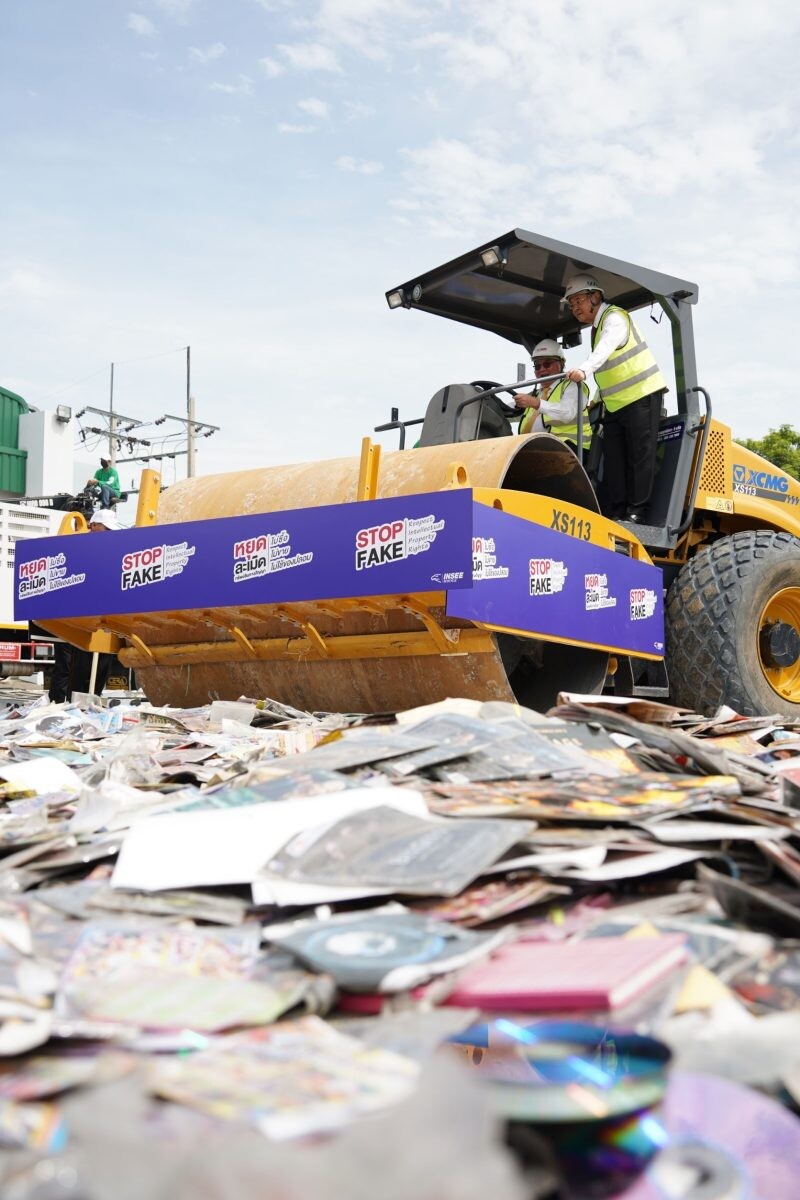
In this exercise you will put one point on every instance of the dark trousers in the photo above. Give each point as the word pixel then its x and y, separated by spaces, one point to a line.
pixel 59 688
pixel 81 674
pixel 630 441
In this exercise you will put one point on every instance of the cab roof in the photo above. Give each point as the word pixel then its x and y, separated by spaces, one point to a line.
pixel 520 297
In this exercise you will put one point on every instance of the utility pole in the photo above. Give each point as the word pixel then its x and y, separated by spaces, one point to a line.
pixel 115 421
pixel 190 438
pixel 118 427
pixel 189 416
pixel 193 427
pixel 112 424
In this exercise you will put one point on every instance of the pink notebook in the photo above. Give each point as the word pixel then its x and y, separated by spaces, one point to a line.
pixel 599 973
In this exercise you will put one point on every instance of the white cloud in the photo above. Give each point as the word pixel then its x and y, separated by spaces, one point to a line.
pixel 430 101
pixel 657 133
pixel 178 9
pixel 610 138
pixel 242 87
pixel 200 55
pixel 355 110
pixel 28 282
pixel 368 26
pixel 310 56
pixel 462 189
pixel 317 109
pixel 471 61
pixel 271 67
pixel 359 166
pixel 140 25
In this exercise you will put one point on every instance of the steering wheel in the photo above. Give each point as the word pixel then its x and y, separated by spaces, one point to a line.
pixel 485 385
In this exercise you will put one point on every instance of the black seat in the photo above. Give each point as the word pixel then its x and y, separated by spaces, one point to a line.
pixel 476 421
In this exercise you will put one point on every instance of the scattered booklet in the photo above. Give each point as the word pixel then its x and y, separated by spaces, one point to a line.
pixel 392 849
pixel 288 1080
pixel 566 976
pixel 488 901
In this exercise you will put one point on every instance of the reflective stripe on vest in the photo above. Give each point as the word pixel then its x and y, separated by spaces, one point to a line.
pixel 567 432
pixel 630 372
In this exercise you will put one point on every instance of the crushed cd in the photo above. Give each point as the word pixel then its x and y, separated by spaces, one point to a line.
pixel 582 1098
pixel 553 1071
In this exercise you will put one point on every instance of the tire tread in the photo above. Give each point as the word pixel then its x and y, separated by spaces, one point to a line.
pixel 703 663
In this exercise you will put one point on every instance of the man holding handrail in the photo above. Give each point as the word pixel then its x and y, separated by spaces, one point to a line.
pixel 553 406
pixel 631 387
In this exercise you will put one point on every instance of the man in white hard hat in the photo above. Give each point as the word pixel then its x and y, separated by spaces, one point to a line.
pixel 553 405
pixel 103 520
pixel 631 387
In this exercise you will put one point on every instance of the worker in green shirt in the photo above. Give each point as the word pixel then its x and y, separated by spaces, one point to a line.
pixel 108 481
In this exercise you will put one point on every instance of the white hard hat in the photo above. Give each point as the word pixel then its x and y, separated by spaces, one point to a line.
pixel 548 348
pixel 582 283
pixel 105 517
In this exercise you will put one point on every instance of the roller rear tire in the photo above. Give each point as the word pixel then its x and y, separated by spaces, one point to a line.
pixel 733 626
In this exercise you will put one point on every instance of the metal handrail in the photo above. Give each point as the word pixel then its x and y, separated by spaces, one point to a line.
pixel 687 520
pixel 479 398
pixel 396 423
pixel 504 387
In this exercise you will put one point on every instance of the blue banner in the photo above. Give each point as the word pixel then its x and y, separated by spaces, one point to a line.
pixel 404 544
pixel 532 578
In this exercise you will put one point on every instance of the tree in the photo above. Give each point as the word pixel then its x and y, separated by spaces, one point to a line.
pixel 780 446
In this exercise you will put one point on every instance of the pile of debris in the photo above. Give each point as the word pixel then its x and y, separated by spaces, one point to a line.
pixel 457 927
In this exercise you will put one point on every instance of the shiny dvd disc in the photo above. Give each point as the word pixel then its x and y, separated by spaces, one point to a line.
pixel 564 1071
pixel 576 1102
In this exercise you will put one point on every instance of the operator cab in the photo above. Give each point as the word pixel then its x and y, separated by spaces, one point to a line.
pixel 513 286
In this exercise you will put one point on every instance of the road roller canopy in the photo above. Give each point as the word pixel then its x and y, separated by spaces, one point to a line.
pixel 514 284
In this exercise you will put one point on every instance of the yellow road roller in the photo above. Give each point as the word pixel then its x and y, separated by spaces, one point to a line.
pixel 476 563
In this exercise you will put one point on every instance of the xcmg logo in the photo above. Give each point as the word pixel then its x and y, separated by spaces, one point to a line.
pixel 751 477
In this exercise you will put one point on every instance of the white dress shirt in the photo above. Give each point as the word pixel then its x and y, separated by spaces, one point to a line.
pixel 563 412
pixel 614 335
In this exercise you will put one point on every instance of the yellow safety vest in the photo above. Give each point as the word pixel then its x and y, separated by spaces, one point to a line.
pixel 631 372
pixel 567 433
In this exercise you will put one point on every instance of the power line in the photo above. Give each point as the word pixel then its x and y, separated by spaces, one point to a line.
pixel 68 386
pixel 124 362
pixel 117 428
pixel 149 457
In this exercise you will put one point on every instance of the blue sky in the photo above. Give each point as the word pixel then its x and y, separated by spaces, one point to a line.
pixel 250 176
